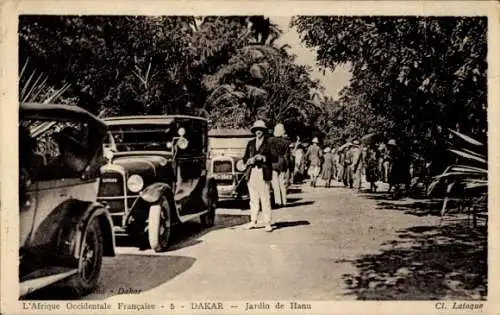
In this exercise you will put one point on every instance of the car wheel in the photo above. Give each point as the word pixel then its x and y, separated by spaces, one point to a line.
pixel 208 219
pixel 159 227
pixel 89 262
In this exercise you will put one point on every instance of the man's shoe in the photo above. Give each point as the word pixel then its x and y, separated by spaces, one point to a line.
pixel 250 226
pixel 268 228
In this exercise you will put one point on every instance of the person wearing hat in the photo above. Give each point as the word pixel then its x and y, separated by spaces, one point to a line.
pixel 258 159
pixel 299 167
pixel 280 145
pixel 313 157
pixel 399 173
pixel 356 164
pixel 372 166
pixel 328 167
pixel 347 159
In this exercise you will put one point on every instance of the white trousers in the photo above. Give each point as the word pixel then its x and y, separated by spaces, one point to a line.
pixel 279 183
pixel 259 195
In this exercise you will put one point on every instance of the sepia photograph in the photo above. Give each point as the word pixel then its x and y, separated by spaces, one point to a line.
pixel 258 158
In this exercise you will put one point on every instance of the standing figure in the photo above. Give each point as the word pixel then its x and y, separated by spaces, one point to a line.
pixel 258 160
pixel 340 165
pixel 313 157
pixel 328 167
pixel 335 155
pixel 356 164
pixel 298 171
pixel 280 145
pixel 400 169
pixel 385 159
pixel 372 168
pixel 348 178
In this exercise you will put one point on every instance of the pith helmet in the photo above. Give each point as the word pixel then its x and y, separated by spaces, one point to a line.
pixel 259 124
pixel 391 142
pixel 279 130
pixel 315 140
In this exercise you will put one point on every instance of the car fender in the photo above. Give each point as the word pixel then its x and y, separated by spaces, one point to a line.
pixel 152 195
pixel 76 222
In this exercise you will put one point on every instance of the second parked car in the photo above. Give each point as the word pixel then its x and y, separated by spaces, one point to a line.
pixel 227 148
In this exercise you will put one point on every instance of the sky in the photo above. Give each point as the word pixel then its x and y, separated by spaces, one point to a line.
pixel 334 81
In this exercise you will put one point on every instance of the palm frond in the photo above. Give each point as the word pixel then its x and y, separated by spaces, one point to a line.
pixel 466 138
pixel 468 155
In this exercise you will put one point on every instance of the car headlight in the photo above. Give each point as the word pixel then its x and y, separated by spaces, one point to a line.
pixel 135 183
pixel 182 143
pixel 240 166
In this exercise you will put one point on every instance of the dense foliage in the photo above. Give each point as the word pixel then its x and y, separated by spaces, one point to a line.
pixel 225 68
pixel 413 77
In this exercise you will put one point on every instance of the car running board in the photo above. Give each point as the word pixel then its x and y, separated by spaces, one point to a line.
pixel 34 284
pixel 189 217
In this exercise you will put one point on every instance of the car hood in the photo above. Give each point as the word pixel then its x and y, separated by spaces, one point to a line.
pixel 142 165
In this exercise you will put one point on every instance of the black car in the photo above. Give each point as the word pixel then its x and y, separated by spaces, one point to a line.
pixel 156 176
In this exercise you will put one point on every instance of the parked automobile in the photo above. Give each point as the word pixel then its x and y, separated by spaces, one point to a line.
pixel 227 148
pixel 64 231
pixel 156 176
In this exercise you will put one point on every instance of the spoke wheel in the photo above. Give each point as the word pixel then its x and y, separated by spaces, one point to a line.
pixel 89 262
pixel 159 227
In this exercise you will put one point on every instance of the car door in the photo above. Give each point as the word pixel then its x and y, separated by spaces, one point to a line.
pixel 191 168
pixel 54 200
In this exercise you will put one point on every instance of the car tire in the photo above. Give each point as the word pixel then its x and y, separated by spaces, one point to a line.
pixel 89 261
pixel 208 219
pixel 159 227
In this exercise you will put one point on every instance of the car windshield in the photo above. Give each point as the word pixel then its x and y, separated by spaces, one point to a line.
pixel 146 137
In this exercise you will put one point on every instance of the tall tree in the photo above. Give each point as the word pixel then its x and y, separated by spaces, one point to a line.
pixel 425 74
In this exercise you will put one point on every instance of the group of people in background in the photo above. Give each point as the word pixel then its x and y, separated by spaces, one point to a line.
pixel 348 163
pixel 273 160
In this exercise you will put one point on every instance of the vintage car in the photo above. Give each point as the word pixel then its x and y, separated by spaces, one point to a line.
pixel 156 176
pixel 227 147
pixel 63 231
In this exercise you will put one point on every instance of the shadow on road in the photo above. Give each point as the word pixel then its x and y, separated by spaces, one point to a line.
pixel 418 208
pixel 294 190
pixel 299 203
pixel 126 274
pixel 285 224
pixel 188 233
pixel 425 263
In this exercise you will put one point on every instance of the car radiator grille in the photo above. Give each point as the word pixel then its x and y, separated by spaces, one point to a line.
pixel 111 185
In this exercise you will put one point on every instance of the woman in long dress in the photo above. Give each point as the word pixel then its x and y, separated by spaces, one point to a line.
pixel 328 167
pixel 372 171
